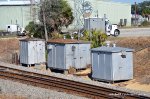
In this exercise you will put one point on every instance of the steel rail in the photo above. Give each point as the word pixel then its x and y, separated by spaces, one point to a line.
pixel 66 85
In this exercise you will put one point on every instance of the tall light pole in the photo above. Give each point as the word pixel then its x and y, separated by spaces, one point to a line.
pixel 22 17
pixel 135 14
pixel 78 14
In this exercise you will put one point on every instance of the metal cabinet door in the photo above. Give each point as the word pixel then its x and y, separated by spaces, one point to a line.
pixel 24 52
pixel 75 56
pixel 31 52
pixel 60 56
pixel 119 67
pixel 95 65
pixel 107 65
pixel 125 68
pixel 122 67
pixel 50 58
pixel 40 51
pixel 82 55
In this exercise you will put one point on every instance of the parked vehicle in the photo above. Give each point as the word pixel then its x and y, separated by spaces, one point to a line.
pixel 16 29
pixel 101 24
pixel 22 32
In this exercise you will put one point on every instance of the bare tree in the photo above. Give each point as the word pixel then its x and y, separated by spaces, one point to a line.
pixel 44 20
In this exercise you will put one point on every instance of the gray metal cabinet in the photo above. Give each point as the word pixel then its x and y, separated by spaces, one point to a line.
pixel 94 23
pixel 112 63
pixel 32 51
pixel 69 53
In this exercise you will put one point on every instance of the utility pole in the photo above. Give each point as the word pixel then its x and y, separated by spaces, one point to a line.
pixel 135 14
pixel 31 7
pixel 79 15
pixel 33 10
pixel 44 19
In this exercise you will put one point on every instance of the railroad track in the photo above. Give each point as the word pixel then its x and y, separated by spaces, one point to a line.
pixel 64 85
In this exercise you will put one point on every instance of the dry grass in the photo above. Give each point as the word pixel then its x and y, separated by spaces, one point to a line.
pixel 7 47
pixel 141 54
pixel 10 96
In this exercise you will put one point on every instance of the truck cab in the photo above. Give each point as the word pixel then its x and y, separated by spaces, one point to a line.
pixel 111 29
pixel 101 24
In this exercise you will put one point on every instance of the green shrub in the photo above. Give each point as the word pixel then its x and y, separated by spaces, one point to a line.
pixel 145 23
pixel 75 36
pixel 97 38
pixel 35 29
pixel 68 36
pixel 56 35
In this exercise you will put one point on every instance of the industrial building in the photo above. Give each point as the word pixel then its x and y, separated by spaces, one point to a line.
pixel 15 12
pixel 21 12
pixel 117 12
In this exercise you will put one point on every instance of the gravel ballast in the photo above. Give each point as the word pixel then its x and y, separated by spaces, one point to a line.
pixel 78 79
pixel 31 92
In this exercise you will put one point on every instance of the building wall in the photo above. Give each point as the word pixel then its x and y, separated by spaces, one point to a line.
pixel 12 10
pixel 15 12
pixel 114 10
pixel 14 15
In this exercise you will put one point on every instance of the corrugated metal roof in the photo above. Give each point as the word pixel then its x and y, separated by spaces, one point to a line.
pixel 112 49
pixel 66 41
pixel 32 39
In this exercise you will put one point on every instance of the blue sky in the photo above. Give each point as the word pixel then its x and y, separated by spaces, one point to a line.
pixel 130 1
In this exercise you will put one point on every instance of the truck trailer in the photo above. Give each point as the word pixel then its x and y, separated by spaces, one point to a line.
pixel 101 24
pixel 16 29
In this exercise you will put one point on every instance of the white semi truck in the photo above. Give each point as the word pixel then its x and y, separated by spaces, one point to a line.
pixel 101 24
pixel 14 28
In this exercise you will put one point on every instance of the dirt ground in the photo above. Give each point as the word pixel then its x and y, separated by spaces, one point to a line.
pixel 141 57
pixel 10 96
pixel 8 46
